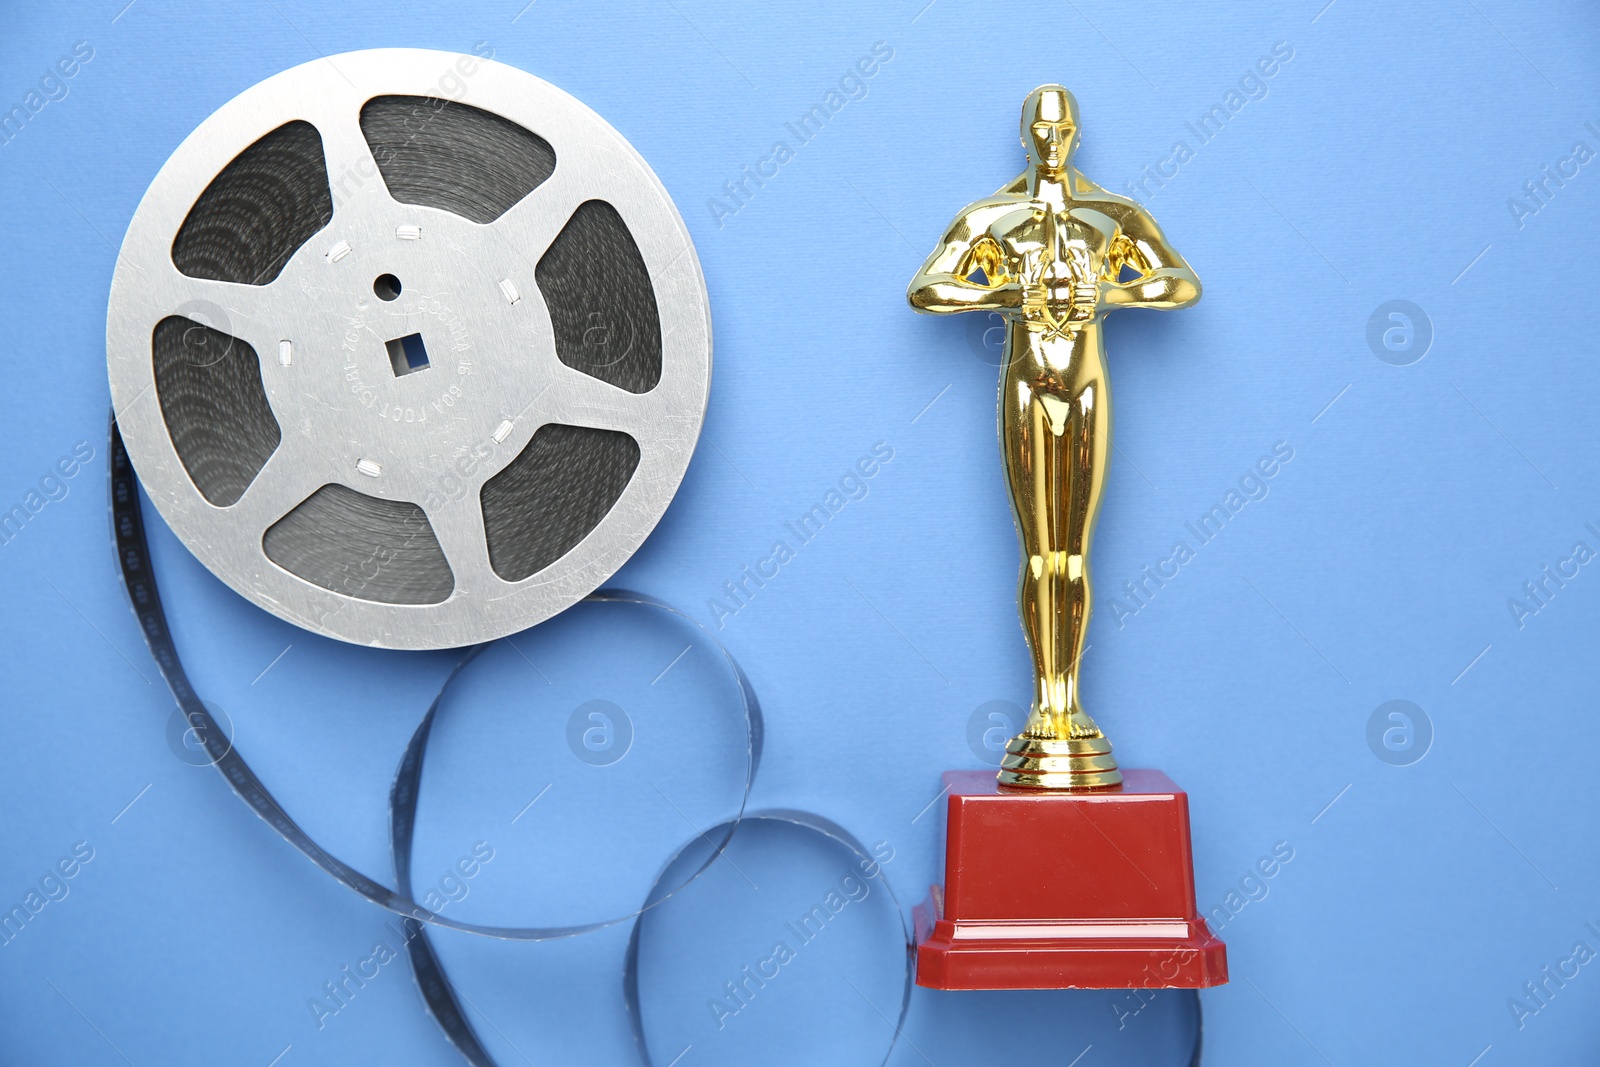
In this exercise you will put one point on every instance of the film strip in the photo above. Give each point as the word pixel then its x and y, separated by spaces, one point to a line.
pixel 139 579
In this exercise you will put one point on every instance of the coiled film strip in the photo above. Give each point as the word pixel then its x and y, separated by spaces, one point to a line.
pixel 440 996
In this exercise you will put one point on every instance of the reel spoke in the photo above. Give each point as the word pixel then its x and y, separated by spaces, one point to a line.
pixel 352 170
pixel 253 314
pixel 292 473
pixel 534 222
pixel 579 399
pixel 458 525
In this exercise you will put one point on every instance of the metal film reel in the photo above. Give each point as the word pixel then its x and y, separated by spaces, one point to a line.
pixel 409 348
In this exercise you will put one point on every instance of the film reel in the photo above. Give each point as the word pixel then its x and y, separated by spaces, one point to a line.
pixel 409 348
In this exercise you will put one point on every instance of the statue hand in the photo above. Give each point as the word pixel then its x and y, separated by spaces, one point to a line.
pixel 1012 294
pixel 1029 296
pixel 1083 302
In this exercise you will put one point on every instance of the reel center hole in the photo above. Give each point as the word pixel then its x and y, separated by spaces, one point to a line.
pixel 386 286
pixel 407 354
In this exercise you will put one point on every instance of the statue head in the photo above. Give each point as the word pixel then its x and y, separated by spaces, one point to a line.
pixel 1050 127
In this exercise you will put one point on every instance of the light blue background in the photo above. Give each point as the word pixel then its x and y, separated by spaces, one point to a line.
pixel 1378 166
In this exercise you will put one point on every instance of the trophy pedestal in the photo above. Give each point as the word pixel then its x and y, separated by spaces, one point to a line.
pixel 1066 890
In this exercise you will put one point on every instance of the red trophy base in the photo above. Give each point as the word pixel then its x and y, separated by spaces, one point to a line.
pixel 1057 890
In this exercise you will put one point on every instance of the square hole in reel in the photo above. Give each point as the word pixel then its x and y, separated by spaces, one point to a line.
pixel 407 354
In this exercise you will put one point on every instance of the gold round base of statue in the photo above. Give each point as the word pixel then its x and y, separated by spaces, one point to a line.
pixel 1050 763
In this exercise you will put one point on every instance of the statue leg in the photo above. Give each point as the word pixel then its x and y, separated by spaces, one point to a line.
pixel 1084 446
pixel 1055 489
pixel 1033 470
pixel 1056 435
pixel 1044 560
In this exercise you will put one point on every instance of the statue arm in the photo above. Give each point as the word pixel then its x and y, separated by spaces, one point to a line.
pixel 943 285
pixel 1165 280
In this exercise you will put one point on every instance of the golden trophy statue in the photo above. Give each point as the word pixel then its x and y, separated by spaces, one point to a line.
pixel 1049 252
pixel 1053 253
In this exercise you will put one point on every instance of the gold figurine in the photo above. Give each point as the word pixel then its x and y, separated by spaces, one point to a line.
pixel 1049 252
